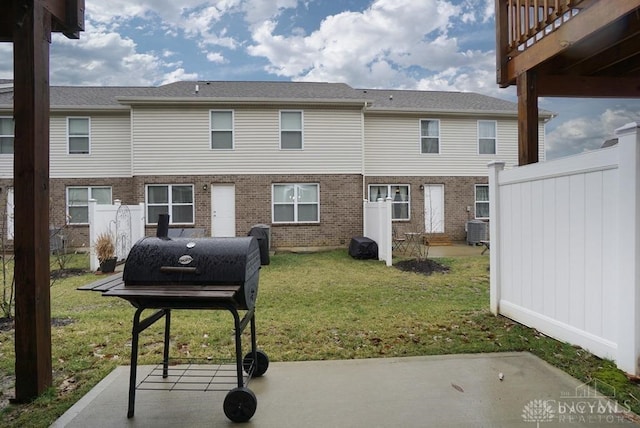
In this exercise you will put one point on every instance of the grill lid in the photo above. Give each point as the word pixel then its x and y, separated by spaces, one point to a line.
pixel 196 261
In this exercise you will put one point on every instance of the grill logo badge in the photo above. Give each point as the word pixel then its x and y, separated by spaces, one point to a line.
pixel 185 260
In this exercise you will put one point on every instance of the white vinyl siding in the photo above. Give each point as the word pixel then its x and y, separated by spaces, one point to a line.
pixel 110 148
pixel 391 146
pixel 175 141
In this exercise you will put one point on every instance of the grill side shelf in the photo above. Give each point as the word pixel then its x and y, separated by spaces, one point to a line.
pixel 195 293
pixel 103 284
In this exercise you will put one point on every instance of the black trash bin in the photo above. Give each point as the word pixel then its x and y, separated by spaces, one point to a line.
pixel 261 233
pixel 362 247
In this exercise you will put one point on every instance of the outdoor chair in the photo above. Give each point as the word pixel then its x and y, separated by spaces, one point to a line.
pixel 399 241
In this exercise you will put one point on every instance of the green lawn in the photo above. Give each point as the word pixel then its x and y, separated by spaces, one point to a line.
pixel 310 307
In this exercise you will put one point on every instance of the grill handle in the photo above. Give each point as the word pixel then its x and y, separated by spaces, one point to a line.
pixel 178 269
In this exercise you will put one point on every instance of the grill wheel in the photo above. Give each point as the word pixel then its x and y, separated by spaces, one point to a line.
pixel 261 365
pixel 240 404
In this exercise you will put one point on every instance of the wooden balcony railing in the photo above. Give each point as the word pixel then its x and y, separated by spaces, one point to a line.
pixel 530 20
pixel 522 23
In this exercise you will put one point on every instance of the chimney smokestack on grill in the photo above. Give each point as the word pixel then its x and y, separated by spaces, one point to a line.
pixel 163 226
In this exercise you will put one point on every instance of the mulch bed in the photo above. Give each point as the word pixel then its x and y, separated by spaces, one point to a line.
pixel 426 267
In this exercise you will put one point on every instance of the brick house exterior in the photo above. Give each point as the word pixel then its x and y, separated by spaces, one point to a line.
pixel 349 140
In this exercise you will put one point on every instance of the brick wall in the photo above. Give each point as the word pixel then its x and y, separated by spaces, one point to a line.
pixel 340 204
pixel 459 193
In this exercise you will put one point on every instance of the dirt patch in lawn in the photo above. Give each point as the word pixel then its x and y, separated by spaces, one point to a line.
pixel 7 324
pixel 426 267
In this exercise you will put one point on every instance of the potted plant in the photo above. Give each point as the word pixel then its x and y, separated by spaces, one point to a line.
pixel 106 252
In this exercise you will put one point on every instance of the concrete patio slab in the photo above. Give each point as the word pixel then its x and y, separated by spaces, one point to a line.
pixel 433 391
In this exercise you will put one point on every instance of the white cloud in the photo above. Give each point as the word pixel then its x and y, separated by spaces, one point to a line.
pixel 178 75
pixel 216 57
pixel 393 43
pixel 100 57
pixel 258 11
pixel 587 132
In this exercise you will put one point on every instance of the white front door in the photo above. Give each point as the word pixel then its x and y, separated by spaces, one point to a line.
pixel 223 210
pixel 434 208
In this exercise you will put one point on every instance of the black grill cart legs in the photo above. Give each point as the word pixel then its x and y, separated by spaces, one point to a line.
pixel 240 403
pixel 138 327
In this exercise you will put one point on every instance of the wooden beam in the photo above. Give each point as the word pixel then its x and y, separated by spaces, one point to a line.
pixel 597 15
pixel 527 118
pixel 67 16
pixel 502 42
pixel 31 182
pixel 588 87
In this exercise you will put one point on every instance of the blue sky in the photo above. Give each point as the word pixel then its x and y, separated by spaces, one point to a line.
pixel 402 44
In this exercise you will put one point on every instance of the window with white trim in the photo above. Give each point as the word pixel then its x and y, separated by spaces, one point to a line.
pixel 78 201
pixel 487 137
pixel 78 135
pixel 400 199
pixel 173 199
pixel 429 136
pixel 291 130
pixel 221 129
pixel 482 201
pixel 7 135
pixel 296 203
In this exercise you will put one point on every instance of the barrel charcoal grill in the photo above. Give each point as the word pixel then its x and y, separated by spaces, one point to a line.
pixel 179 262
pixel 201 273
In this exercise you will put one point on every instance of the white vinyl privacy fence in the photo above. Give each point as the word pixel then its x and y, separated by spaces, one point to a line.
pixel 565 243
pixel 125 224
pixel 377 226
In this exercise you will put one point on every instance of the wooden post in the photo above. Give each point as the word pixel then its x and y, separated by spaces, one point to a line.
pixel 32 36
pixel 527 118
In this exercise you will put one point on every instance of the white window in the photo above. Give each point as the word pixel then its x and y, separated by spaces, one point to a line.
pixel 291 130
pixel 296 203
pixel 429 136
pixel 482 201
pixel 78 135
pixel 401 204
pixel 222 129
pixel 173 199
pixel 487 137
pixel 78 201
pixel 6 135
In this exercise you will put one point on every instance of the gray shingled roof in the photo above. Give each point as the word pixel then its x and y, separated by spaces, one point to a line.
pixel 260 90
pixel 436 101
pixel 83 96
pixel 382 100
